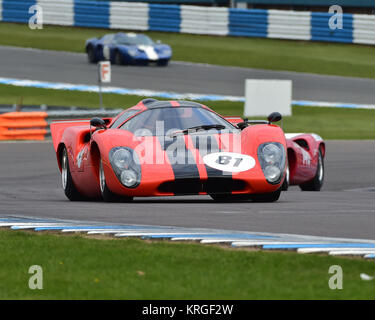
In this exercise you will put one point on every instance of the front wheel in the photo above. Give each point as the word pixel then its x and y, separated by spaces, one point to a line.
pixel 317 182
pixel 107 194
pixel 91 55
pixel 285 185
pixel 162 63
pixel 70 190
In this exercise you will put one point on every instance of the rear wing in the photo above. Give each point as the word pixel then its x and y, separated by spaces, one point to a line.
pixel 58 127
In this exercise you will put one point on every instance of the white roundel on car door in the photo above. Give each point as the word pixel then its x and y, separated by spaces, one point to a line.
pixel 229 161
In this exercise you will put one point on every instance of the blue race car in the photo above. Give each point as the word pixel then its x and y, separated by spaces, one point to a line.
pixel 128 48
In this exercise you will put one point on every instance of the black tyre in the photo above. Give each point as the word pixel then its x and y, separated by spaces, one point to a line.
pixel 70 190
pixel 107 194
pixel 91 55
pixel 119 60
pixel 266 197
pixel 285 185
pixel 316 183
pixel 162 63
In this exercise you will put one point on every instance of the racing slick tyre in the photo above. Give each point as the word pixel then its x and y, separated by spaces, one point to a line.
pixel 91 55
pixel 70 190
pixel 162 63
pixel 266 197
pixel 119 60
pixel 317 182
pixel 108 195
pixel 285 185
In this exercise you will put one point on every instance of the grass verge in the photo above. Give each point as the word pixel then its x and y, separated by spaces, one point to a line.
pixel 76 267
pixel 330 123
pixel 300 56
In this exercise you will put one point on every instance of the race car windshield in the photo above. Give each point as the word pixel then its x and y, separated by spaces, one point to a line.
pixel 133 39
pixel 165 121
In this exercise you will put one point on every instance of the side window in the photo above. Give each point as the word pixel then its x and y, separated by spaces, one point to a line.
pixel 107 39
pixel 126 115
pixel 120 39
pixel 140 121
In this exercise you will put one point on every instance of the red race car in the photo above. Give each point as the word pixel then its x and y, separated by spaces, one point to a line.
pixel 166 148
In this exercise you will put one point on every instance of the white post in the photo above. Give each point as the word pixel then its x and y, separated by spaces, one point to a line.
pixel 100 95
pixel 104 76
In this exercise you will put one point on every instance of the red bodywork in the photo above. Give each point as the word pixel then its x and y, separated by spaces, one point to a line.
pixel 157 179
pixel 303 150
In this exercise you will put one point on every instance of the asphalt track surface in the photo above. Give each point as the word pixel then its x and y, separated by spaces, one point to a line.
pixel 180 77
pixel 30 186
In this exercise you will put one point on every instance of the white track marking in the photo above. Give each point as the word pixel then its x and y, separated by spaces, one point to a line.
pixel 351 252
pixel 331 249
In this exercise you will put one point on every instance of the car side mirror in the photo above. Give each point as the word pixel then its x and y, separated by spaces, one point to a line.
pixel 243 125
pixel 98 123
pixel 274 117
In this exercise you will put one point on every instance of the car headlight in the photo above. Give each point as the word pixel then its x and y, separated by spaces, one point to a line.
pixel 126 165
pixel 129 178
pixel 122 158
pixel 133 52
pixel 167 51
pixel 272 159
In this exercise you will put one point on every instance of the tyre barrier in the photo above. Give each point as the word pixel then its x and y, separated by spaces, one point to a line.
pixel 34 125
pixel 279 24
pixel 23 126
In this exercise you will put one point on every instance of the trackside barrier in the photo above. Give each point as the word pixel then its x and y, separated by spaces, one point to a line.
pixel 23 126
pixel 280 24
pixel 34 123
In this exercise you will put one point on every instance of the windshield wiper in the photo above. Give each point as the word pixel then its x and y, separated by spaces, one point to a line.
pixel 196 128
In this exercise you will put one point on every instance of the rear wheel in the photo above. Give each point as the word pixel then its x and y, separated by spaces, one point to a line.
pixel 91 55
pixel 70 190
pixel 107 194
pixel 317 182
pixel 118 58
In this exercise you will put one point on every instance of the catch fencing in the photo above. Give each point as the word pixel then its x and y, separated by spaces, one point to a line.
pixel 280 24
